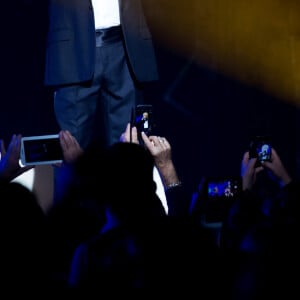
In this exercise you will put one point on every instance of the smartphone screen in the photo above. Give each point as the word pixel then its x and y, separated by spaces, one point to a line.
pixel 223 188
pixel 37 150
pixel 219 195
pixel 260 148
pixel 144 118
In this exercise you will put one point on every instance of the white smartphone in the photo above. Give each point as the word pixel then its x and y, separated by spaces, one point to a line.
pixel 41 150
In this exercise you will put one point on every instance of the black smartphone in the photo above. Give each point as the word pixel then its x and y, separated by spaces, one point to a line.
pixel 217 197
pixel 143 118
pixel 41 150
pixel 221 188
pixel 260 148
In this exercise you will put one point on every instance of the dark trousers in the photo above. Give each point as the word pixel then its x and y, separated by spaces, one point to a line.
pixel 98 112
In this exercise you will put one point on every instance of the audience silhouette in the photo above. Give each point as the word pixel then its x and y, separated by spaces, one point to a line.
pixel 111 232
pixel 23 240
pixel 259 233
pixel 140 246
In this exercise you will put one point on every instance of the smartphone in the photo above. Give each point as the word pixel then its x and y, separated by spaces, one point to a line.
pixel 221 188
pixel 260 148
pixel 219 195
pixel 41 150
pixel 143 118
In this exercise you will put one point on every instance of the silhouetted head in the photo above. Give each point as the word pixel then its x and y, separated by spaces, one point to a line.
pixel 129 181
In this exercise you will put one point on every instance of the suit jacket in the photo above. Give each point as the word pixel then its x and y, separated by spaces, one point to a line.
pixel 70 51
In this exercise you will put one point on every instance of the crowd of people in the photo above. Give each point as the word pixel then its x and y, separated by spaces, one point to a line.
pixel 110 231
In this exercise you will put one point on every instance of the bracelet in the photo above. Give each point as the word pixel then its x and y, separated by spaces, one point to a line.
pixel 173 185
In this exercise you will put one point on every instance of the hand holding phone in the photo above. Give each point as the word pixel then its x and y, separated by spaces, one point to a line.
pixel 41 150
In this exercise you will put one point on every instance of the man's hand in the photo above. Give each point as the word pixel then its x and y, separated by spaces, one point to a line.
pixel 249 171
pixel 70 146
pixel 10 167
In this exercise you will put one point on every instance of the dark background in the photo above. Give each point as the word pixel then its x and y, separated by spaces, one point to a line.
pixel 207 117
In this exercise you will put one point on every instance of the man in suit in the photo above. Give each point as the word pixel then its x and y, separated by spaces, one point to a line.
pixel 98 55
